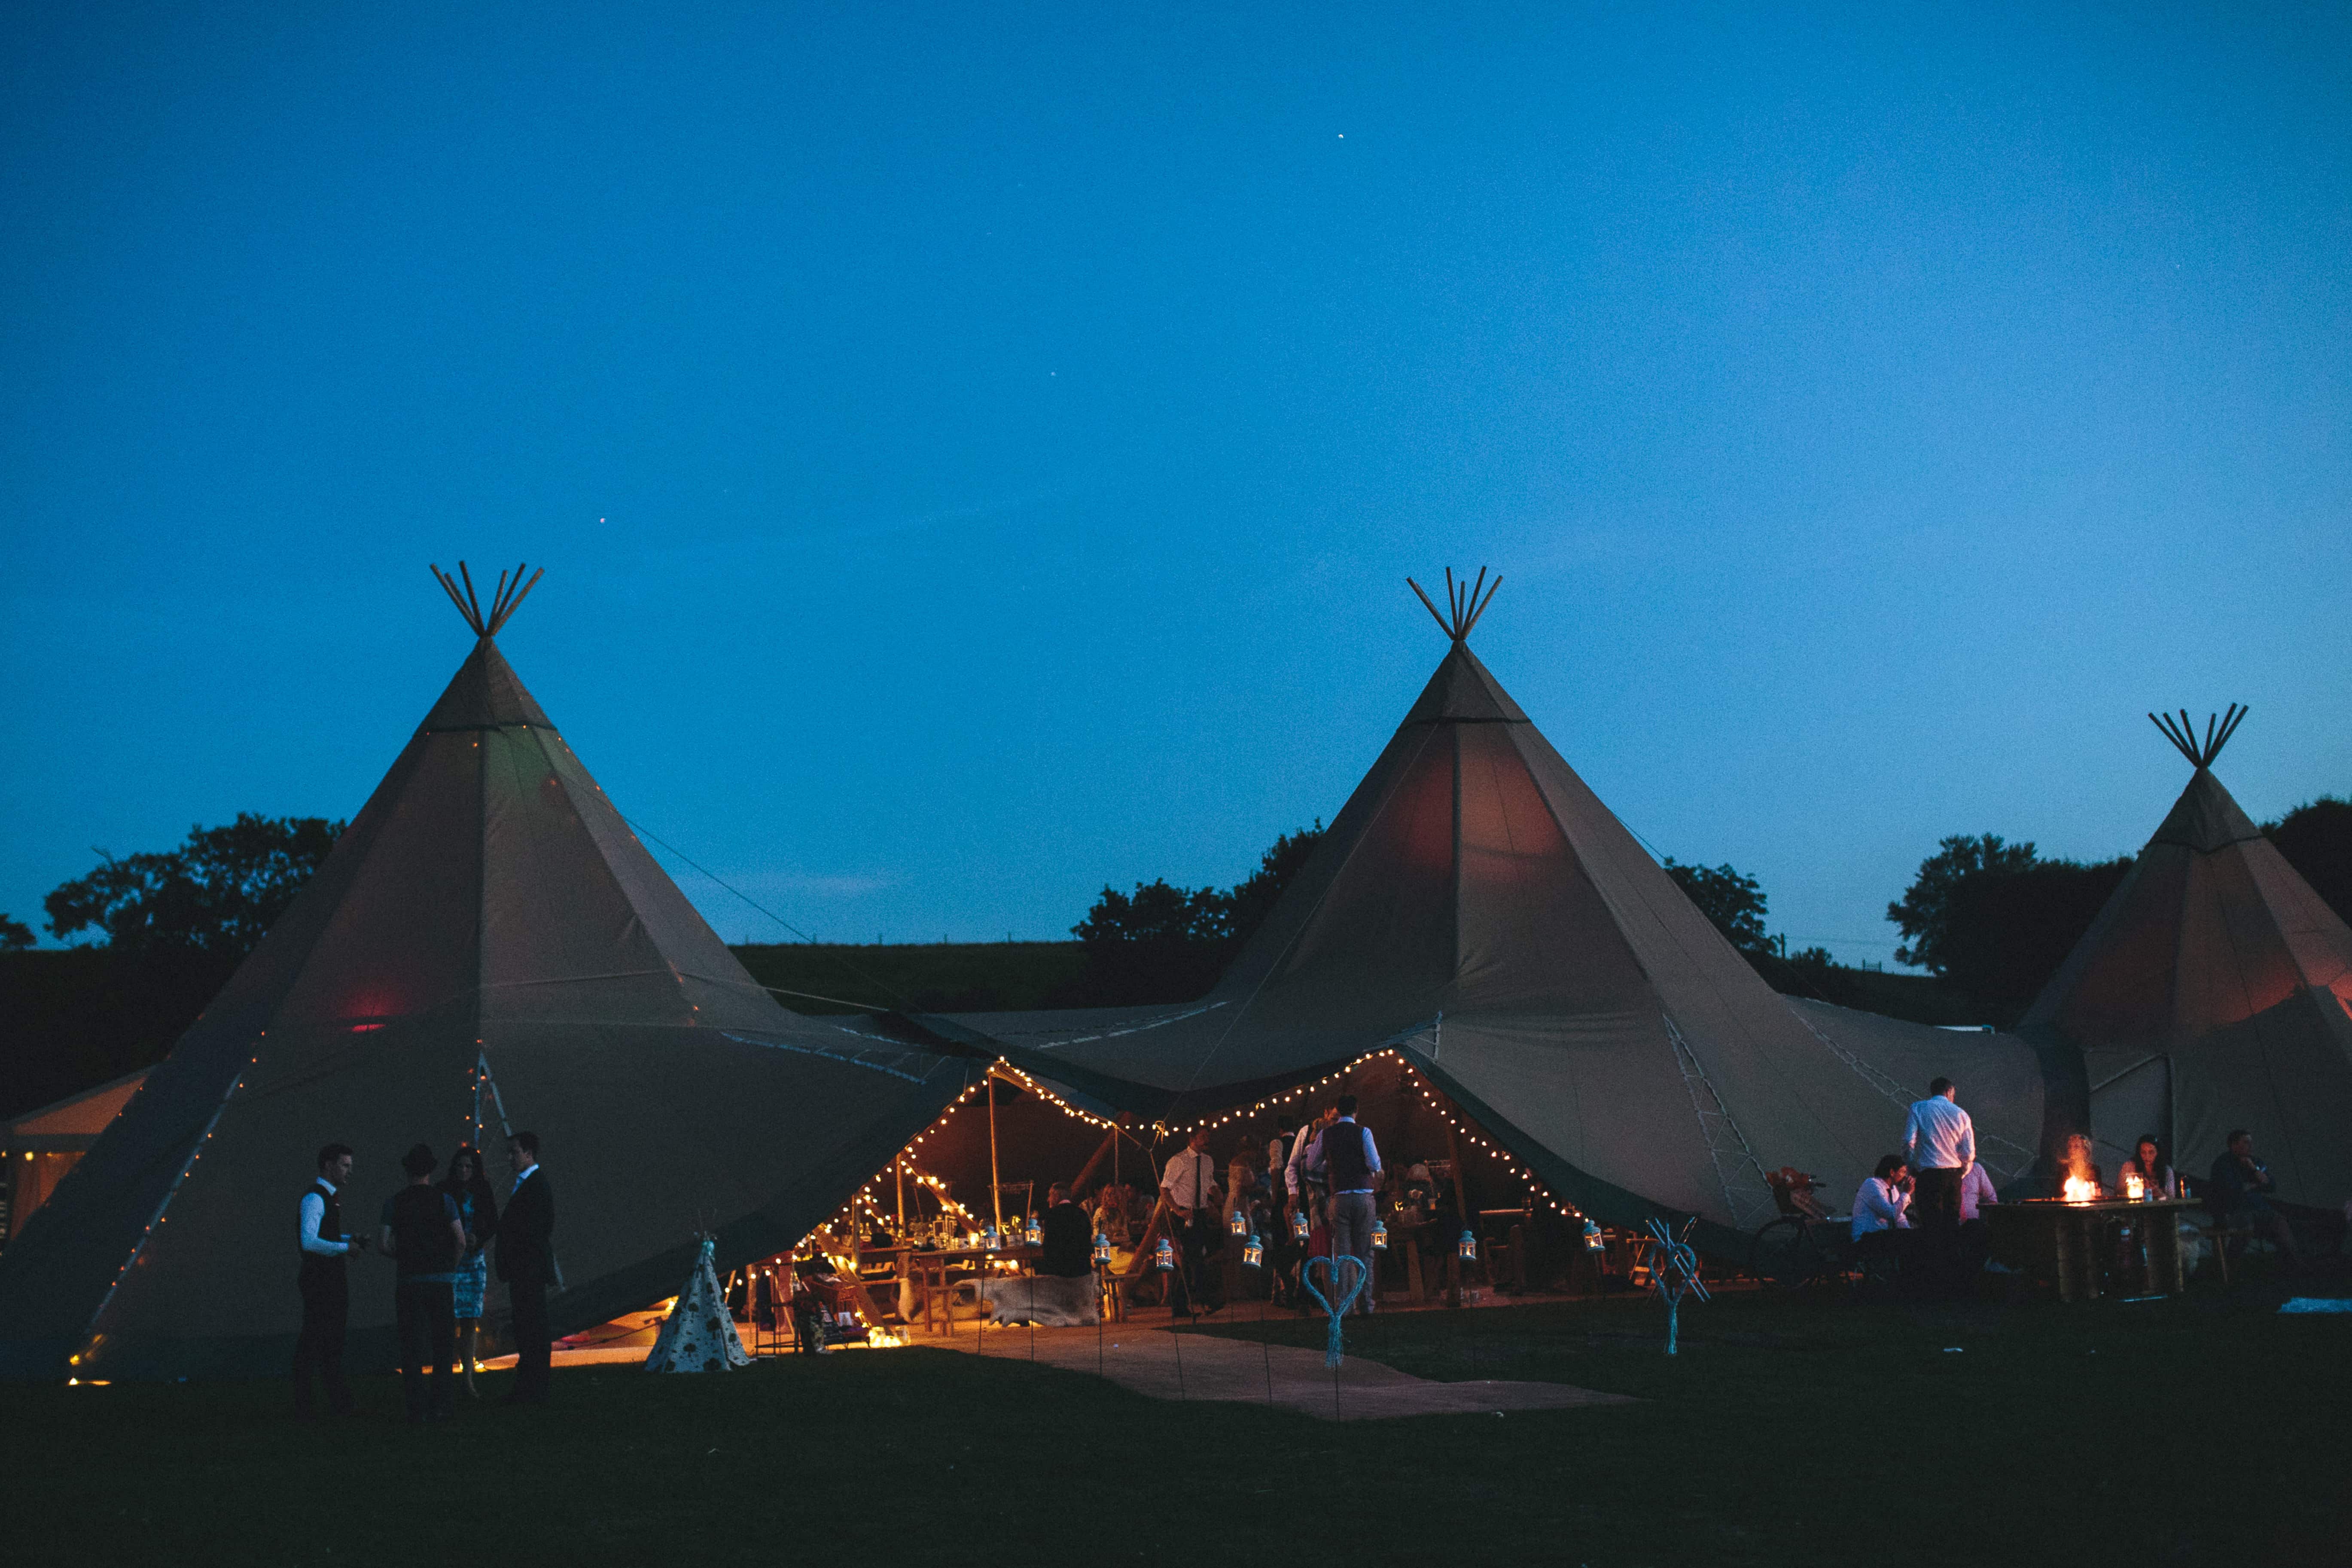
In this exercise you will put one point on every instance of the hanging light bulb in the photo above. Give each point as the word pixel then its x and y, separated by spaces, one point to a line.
pixel 1163 1257
pixel 1467 1247
pixel 1238 1223
pixel 1253 1252
pixel 1380 1235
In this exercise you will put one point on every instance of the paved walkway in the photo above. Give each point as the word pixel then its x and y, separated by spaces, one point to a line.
pixel 1165 1364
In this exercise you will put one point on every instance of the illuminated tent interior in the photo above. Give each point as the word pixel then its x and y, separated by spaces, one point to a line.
pixel 2214 991
pixel 37 1148
pixel 1476 909
pixel 488 946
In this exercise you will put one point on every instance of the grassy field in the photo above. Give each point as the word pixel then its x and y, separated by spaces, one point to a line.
pixel 2208 1429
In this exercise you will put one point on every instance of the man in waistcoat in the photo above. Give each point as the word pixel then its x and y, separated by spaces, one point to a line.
pixel 1350 1163
pixel 527 1264
pixel 326 1292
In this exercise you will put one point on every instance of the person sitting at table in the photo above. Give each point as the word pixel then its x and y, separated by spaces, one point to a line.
pixel 1882 1210
pixel 2148 1162
pixel 2238 1195
pixel 1110 1214
pixel 1069 1247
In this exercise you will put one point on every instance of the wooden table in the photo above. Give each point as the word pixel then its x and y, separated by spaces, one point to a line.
pixel 929 1268
pixel 2069 1243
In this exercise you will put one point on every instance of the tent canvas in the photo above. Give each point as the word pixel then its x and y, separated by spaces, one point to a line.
pixel 1476 907
pixel 486 945
pixel 2214 991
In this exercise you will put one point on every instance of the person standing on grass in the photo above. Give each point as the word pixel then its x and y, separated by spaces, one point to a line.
pixel 527 1265
pixel 424 1238
pixel 468 1186
pixel 1939 1144
pixel 1189 1186
pixel 1351 1163
pixel 325 1284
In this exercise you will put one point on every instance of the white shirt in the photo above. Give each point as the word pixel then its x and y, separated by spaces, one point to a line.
pixel 314 1213
pixel 1297 1166
pixel 1938 1135
pixel 1187 1178
pixel 521 1176
pixel 1371 1150
pixel 1880 1206
pixel 1976 1191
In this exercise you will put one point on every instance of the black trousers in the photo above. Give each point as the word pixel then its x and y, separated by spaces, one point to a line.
pixel 318 1348
pixel 533 1348
pixel 1200 1286
pixel 425 1312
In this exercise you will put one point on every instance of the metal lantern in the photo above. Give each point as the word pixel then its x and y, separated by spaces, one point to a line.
pixel 1593 1240
pixel 1300 1226
pixel 989 1240
pixel 1035 1235
pixel 1380 1235
pixel 1254 1252
pixel 1238 1223
pixel 1102 1248
pixel 1163 1257
pixel 1467 1247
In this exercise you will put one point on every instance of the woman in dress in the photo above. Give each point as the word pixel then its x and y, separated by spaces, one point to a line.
pixel 477 1211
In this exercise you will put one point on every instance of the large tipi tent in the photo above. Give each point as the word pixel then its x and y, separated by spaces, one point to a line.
pixel 486 945
pixel 1476 908
pixel 2214 991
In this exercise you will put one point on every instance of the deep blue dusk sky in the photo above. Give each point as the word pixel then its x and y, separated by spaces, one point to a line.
pixel 976 452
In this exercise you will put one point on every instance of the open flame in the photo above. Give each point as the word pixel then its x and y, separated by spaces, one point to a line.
pixel 883 1339
pixel 2079 1190
pixel 2134 1187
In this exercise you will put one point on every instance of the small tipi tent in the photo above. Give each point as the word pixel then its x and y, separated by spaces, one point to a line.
pixel 699 1334
pixel 487 943
pixel 2214 991
pixel 1476 907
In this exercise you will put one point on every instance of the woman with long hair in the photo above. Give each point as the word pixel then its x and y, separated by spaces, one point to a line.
pixel 469 1188
pixel 2148 1163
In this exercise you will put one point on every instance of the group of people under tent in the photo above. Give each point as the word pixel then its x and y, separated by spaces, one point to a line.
pixel 1925 1204
pixel 439 1236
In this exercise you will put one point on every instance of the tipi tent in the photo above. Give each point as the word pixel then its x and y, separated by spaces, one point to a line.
pixel 699 1334
pixel 2214 991
pixel 1476 908
pixel 488 945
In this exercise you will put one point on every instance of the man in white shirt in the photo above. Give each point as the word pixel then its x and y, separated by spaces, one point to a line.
pixel 1976 1191
pixel 326 1289
pixel 1351 1163
pixel 1882 1210
pixel 1190 1185
pixel 1295 1174
pixel 1940 1142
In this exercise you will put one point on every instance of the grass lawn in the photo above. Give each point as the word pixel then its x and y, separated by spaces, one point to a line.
pixel 2208 1429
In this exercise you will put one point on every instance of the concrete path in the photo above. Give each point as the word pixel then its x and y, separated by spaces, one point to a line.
pixel 1166 1364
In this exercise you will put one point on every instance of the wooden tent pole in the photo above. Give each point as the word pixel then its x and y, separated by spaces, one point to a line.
pixel 899 1169
pixel 996 1199
pixel 1094 1163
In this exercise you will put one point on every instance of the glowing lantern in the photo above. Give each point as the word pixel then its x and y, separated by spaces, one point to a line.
pixel 1299 1225
pixel 1380 1235
pixel 1102 1248
pixel 1467 1247
pixel 1253 1253
pixel 2135 1189
pixel 2080 1191
pixel 1163 1257
pixel 990 1240
pixel 1035 1235
pixel 1238 1223
pixel 1593 1240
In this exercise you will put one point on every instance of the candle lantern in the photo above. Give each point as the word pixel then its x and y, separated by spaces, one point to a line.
pixel 1238 1223
pixel 1593 1240
pixel 1035 1235
pixel 1467 1247
pixel 1254 1252
pixel 1163 1257
pixel 1102 1249
pixel 1299 1225
pixel 990 1240
pixel 1380 1235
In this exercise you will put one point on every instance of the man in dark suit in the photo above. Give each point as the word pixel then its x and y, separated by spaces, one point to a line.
pixel 527 1264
